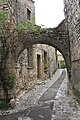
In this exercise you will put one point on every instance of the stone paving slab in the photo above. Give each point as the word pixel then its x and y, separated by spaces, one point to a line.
pixel 65 107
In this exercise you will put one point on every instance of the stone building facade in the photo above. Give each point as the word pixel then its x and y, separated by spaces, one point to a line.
pixel 37 62
pixel 43 66
pixel 34 62
pixel 72 13
pixel 21 10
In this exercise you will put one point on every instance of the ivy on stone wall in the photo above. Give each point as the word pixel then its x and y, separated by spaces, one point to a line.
pixel 3 20
pixel 3 16
pixel 28 26
pixel 7 79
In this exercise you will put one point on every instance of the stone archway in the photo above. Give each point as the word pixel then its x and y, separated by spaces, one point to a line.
pixel 65 38
pixel 55 37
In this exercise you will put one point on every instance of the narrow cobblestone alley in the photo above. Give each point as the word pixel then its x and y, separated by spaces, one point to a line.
pixel 38 102
pixel 51 104
pixel 39 62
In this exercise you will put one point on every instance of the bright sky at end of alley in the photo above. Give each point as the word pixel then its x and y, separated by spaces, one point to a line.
pixel 49 12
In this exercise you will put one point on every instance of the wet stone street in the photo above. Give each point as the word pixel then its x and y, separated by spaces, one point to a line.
pixel 48 101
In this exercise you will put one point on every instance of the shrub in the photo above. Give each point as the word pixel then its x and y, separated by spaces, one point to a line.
pixel 9 81
pixel 4 104
pixel 63 65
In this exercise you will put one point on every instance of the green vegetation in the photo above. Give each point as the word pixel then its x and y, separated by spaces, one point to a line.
pixel 3 19
pixel 62 63
pixel 4 104
pixel 3 16
pixel 6 78
pixel 31 27
pixel 9 81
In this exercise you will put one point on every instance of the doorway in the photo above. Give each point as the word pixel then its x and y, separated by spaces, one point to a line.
pixel 38 66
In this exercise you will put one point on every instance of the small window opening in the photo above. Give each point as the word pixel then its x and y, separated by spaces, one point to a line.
pixel 28 14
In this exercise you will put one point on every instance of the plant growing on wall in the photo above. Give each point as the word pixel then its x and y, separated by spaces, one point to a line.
pixel 3 19
pixel 31 27
pixel 8 83
pixel 8 79
pixel 62 62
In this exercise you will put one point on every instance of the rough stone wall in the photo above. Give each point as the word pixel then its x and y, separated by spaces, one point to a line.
pixel 72 13
pixel 56 37
pixel 18 10
pixel 65 38
pixel 45 70
pixel 26 75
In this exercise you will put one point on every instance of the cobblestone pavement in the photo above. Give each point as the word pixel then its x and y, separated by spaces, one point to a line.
pixel 50 104
pixel 29 99
pixel 65 107
pixel 40 111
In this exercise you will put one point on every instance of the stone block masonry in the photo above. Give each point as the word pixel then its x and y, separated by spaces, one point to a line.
pixel 65 38
pixel 73 18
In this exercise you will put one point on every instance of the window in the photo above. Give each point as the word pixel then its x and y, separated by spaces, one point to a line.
pixel 28 14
